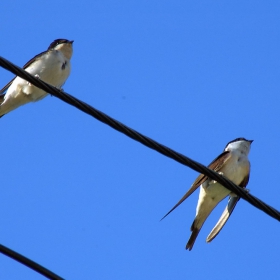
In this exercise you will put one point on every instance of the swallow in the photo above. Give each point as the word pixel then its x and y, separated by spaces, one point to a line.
pixel 51 66
pixel 233 163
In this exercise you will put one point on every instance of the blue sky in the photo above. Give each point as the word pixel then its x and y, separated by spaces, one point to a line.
pixel 84 200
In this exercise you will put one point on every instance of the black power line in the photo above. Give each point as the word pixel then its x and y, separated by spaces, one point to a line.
pixel 141 138
pixel 134 135
pixel 27 262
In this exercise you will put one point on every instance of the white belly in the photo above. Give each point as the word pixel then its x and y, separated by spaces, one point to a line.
pixel 52 68
pixel 211 192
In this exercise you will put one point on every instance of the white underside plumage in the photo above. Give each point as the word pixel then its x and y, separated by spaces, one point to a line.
pixel 211 193
pixel 236 169
pixel 49 69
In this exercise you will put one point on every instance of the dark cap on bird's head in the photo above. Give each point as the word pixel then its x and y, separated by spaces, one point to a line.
pixel 239 139
pixel 58 42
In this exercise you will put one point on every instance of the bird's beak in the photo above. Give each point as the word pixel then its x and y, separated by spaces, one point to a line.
pixel 71 42
pixel 251 141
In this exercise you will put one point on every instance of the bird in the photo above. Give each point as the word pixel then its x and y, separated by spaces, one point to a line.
pixel 232 163
pixel 51 66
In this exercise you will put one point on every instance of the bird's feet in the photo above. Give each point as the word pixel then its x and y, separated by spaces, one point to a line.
pixel 36 76
pixel 214 181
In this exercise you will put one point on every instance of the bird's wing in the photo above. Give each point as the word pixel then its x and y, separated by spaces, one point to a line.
pixel 215 165
pixel 4 89
pixel 227 212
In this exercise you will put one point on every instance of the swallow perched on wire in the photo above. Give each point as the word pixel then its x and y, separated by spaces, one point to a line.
pixel 51 66
pixel 234 164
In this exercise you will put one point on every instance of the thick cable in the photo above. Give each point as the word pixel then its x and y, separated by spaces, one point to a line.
pixel 148 142
pixel 27 262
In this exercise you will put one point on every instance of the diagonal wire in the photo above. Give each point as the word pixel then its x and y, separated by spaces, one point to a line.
pixel 141 138
pixel 27 262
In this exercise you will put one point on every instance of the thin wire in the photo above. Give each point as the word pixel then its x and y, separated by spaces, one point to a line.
pixel 148 142
pixel 27 262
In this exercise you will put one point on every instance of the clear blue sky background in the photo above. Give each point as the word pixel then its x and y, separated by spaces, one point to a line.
pixel 84 200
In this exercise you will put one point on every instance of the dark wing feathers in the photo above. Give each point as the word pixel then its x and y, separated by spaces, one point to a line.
pixel 215 165
pixel 24 67
pixel 2 96
pixel 33 59
pixel 2 91
pixel 186 195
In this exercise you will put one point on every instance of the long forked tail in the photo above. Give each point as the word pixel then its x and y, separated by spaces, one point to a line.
pixel 223 219
pixel 195 232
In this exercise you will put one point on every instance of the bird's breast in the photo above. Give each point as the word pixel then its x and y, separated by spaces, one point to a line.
pixel 52 68
pixel 236 169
